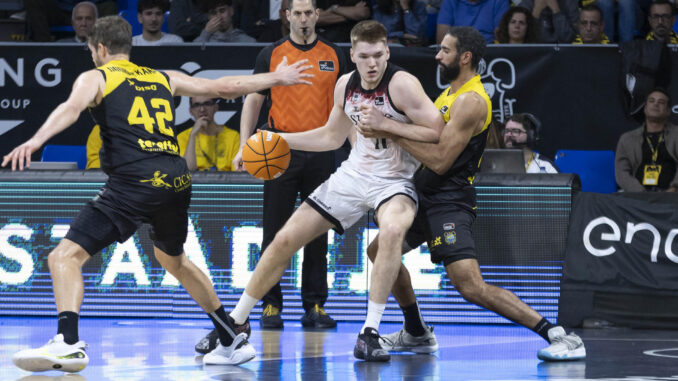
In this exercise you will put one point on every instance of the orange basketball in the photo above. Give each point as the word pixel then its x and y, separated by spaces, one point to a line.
pixel 266 155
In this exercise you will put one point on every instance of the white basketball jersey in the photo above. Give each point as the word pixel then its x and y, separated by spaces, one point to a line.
pixel 380 158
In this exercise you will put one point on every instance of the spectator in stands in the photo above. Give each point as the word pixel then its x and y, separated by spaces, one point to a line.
pixel 483 15
pixel 93 148
pixel 262 17
pixel 83 17
pixel 337 17
pixel 43 14
pixel 558 18
pixel 646 157
pixel 207 145
pixel 185 19
pixel 517 26
pixel 626 17
pixel 661 18
pixel 522 132
pixel 219 27
pixel 151 16
pixel 591 26
pixel 405 20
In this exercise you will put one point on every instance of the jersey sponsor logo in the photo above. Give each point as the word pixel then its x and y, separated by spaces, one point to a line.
pixel 356 96
pixel 326 65
pixel 182 182
pixel 448 226
pixel 162 146
pixel 152 87
pixel 158 180
pixel 379 101
pixel 179 183
pixel 443 110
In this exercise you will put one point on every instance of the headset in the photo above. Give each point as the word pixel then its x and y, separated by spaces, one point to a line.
pixel 533 129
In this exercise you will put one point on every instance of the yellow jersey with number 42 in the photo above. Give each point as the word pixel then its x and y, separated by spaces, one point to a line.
pixel 136 115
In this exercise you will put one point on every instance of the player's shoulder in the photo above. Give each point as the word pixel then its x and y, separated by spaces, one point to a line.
pixel 402 82
pixel 470 99
pixel 92 76
pixel 343 81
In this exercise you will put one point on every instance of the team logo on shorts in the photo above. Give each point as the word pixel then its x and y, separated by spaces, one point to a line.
pixel 448 226
pixel 450 237
pixel 326 65
pixel 158 180
pixel 437 241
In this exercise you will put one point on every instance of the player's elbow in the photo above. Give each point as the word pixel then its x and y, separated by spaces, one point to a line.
pixel 439 164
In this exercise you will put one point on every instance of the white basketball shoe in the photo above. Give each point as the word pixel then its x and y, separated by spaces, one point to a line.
pixel 564 346
pixel 238 352
pixel 55 355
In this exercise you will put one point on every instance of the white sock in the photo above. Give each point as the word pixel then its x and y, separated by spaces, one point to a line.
pixel 242 310
pixel 374 312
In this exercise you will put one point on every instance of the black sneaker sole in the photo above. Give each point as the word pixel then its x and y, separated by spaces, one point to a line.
pixel 269 325
pixel 310 323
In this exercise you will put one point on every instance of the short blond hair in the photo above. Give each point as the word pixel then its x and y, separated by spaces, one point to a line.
pixel 369 31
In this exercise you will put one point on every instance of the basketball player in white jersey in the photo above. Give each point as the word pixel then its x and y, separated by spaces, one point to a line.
pixel 377 174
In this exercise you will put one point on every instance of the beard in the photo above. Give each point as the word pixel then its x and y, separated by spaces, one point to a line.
pixel 449 73
pixel 514 144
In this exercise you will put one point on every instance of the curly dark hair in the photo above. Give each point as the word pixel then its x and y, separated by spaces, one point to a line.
pixel 501 34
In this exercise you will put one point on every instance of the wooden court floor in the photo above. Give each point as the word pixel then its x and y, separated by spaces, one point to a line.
pixel 160 349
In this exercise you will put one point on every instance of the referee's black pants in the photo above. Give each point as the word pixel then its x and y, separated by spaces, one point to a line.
pixel 307 170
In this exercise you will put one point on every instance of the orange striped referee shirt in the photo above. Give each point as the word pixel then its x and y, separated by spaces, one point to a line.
pixel 302 107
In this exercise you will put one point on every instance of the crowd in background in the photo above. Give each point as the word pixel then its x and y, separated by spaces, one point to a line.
pixel 409 22
pixel 644 160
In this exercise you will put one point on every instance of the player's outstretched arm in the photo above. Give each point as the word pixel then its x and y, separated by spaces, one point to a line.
pixel 408 96
pixel 230 87
pixel 467 118
pixel 330 136
pixel 85 91
pixel 250 114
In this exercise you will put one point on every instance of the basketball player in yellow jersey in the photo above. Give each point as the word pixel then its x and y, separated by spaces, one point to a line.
pixel 148 182
pixel 447 202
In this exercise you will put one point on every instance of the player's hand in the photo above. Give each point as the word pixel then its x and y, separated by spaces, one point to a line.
pixel 293 74
pixel 237 161
pixel 372 122
pixel 21 155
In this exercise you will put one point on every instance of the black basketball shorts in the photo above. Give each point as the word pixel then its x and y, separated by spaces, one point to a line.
pixel 157 193
pixel 446 228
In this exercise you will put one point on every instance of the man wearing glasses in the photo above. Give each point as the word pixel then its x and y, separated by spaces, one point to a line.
pixel 522 132
pixel 207 145
pixel 661 18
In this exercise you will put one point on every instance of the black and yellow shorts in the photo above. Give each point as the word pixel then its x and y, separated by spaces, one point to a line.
pixel 446 227
pixel 157 192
